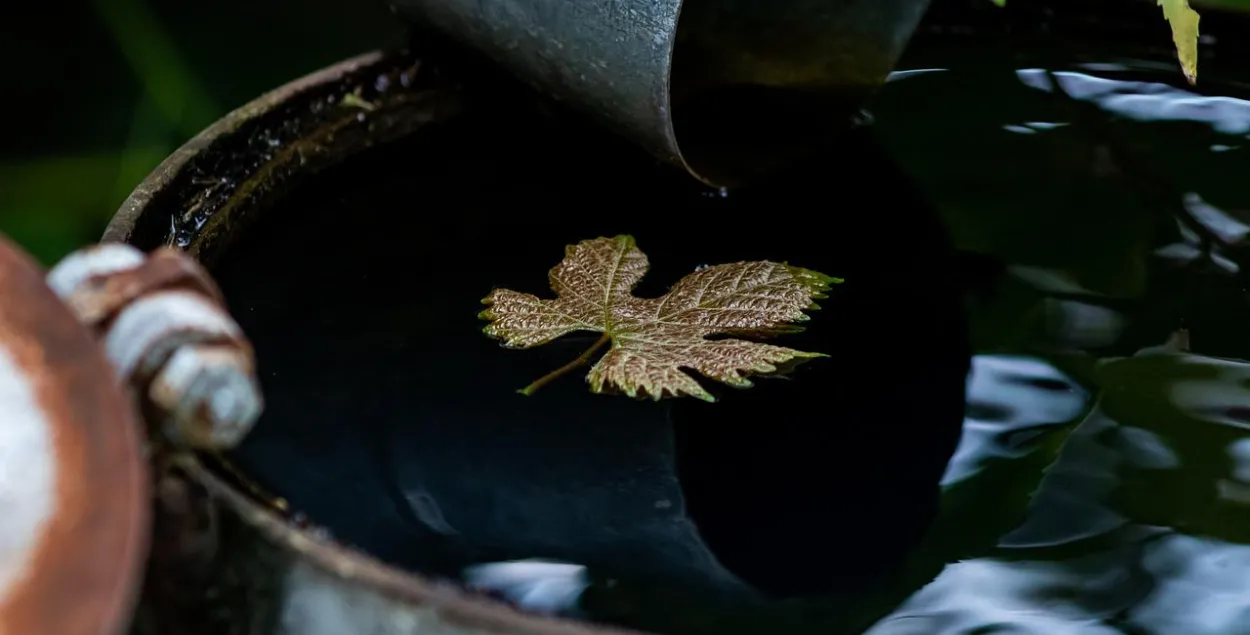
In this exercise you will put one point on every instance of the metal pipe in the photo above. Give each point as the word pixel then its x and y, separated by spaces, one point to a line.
pixel 728 89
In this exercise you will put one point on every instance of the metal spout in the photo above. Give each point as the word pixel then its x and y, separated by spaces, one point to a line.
pixel 730 90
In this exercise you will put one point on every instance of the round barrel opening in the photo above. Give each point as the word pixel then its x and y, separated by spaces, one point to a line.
pixel 393 421
pixel 395 424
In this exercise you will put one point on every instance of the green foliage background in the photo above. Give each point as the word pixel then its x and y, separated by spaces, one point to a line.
pixel 97 92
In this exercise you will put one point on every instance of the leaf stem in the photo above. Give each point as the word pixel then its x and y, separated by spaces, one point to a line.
pixel 580 361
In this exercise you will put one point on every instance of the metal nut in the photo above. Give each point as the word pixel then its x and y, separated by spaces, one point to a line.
pixel 167 335
pixel 99 281
pixel 149 330
pixel 209 396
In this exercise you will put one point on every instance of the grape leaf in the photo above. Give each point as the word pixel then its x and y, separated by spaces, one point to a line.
pixel 653 339
pixel 1184 21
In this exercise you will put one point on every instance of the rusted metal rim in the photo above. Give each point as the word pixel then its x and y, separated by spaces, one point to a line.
pixel 73 482
pixel 453 605
pixel 251 156
pixel 188 196
pixel 121 226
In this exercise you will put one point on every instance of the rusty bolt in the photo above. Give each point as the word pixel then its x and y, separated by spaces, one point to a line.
pixel 164 328
pixel 207 392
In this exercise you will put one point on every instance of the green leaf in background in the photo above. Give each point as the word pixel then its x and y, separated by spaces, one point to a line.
pixel 167 79
pixel 142 78
pixel 1184 21
pixel 53 205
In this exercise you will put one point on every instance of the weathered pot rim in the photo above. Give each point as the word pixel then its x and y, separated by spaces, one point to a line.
pixel 351 565
pixel 453 604
pixel 121 226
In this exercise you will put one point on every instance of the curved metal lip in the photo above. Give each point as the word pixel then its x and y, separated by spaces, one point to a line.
pixel 787 72
pixel 120 227
pixel 76 516
pixel 453 604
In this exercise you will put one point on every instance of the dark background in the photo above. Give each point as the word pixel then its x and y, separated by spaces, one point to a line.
pixel 97 92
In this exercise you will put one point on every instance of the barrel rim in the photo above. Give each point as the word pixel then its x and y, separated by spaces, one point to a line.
pixel 121 226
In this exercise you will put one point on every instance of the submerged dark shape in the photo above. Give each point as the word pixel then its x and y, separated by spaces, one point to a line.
pixel 826 493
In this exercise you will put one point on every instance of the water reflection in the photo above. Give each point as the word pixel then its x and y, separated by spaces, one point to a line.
pixel 537 586
pixel 1153 581
pixel 1103 481
pixel 1112 541
pixel 1146 101
pixel 1206 233
pixel 1011 401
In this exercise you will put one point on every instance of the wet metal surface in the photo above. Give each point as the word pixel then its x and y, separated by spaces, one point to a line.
pixel 252 154
pixel 73 486
pixel 637 64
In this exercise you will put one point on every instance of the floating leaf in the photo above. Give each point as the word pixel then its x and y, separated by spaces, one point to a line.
pixel 1184 21
pixel 653 339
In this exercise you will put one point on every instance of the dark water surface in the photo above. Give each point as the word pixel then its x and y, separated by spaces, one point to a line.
pixel 1050 258
pixel 1101 483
